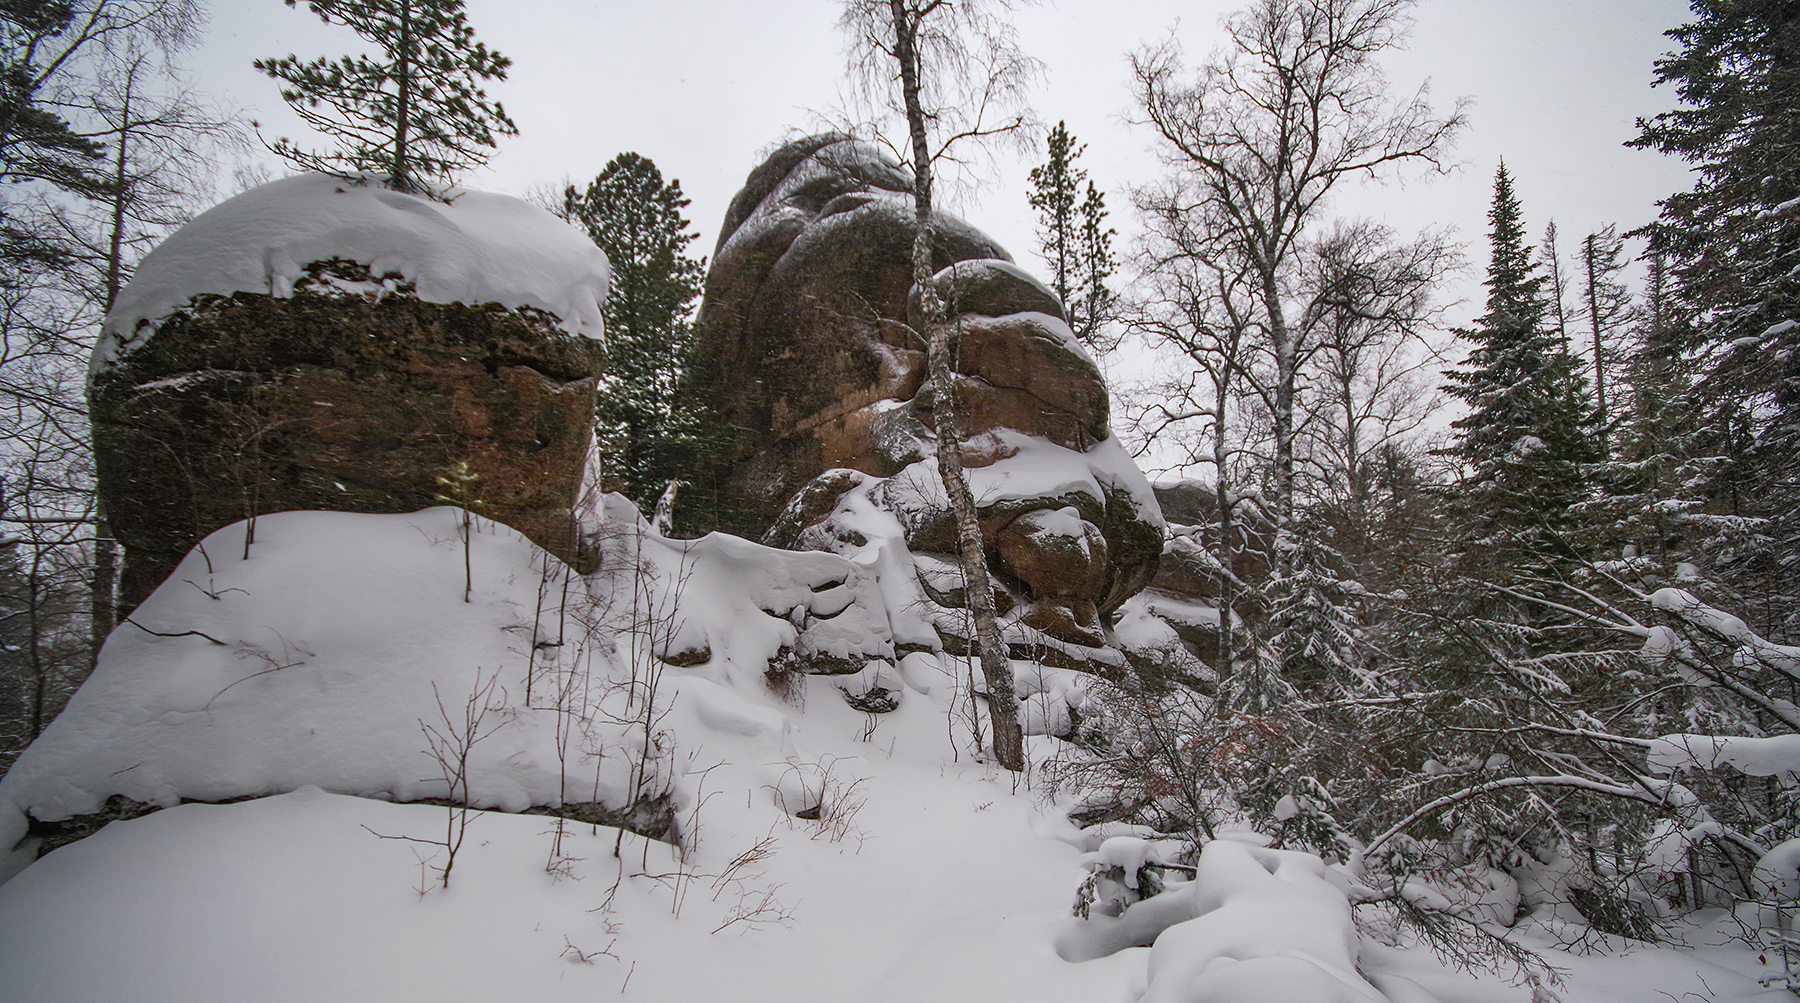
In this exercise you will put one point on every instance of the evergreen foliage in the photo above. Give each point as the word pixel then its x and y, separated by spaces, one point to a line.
pixel 1733 247
pixel 41 43
pixel 417 114
pixel 1073 235
pixel 37 144
pixel 1529 428
pixel 1095 305
pixel 1311 623
pixel 635 216
pixel 1652 502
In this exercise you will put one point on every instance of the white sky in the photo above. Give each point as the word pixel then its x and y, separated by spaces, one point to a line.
pixel 705 87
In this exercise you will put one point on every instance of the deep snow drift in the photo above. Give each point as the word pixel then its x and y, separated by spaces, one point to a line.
pixel 825 853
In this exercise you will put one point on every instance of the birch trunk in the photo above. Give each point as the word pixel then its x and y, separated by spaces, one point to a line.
pixel 996 669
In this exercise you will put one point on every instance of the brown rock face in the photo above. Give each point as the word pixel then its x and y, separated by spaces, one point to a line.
pixel 810 321
pixel 251 404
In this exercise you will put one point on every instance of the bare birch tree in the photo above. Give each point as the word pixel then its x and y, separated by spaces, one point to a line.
pixel 960 80
pixel 1291 106
pixel 1368 309
pixel 1198 304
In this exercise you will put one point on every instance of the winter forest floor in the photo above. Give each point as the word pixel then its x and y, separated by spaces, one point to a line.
pixel 926 874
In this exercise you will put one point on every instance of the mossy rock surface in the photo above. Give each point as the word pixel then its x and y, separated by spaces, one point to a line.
pixel 249 404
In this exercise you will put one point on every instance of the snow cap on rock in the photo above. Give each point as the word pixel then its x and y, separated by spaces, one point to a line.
pixel 470 247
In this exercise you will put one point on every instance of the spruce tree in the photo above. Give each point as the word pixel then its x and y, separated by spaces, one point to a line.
pixel 1073 235
pixel 1733 246
pixel 417 114
pixel 1311 626
pixel 1529 427
pixel 634 215
pixel 1653 504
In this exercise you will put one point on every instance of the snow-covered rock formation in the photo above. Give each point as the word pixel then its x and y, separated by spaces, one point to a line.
pixel 318 343
pixel 810 321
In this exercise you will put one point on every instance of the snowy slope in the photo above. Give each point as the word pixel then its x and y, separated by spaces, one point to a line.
pixel 925 875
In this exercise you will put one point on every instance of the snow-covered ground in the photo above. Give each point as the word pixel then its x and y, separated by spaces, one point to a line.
pixel 826 853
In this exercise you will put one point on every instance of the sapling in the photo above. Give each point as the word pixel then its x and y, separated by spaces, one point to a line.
pixel 459 490
pixel 450 741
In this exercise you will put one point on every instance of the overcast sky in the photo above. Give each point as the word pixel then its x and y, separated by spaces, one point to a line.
pixel 705 87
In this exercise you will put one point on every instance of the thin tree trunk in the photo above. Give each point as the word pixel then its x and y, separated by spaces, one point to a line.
pixel 1593 299
pixel 102 608
pixel 1227 524
pixel 996 669
pixel 401 178
pixel 1286 366
pixel 34 642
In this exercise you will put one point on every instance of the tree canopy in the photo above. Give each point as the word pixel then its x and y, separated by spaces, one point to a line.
pixel 417 114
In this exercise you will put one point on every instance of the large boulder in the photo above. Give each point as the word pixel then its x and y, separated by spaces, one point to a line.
pixel 812 354
pixel 322 344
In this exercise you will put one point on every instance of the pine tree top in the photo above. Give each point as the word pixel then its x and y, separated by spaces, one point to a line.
pixel 415 114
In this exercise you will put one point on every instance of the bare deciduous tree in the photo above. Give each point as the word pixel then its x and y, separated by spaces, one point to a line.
pixel 1606 302
pixel 1291 106
pixel 961 79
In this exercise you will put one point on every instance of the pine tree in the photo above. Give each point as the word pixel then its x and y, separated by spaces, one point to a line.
pixel 1529 426
pixel 1073 235
pixel 634 215
pixel 416 115
pixel 1055 185
pixel 1093 305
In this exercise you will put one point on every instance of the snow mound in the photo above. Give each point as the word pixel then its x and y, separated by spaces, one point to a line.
pixel 474 248
pixel 332 653
pixel 316 661
pixel 1255 925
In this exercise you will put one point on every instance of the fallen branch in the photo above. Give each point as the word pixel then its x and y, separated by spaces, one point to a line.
pixel 185 633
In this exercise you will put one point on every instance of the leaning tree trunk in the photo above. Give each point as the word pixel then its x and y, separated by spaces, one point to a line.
pixel 996 670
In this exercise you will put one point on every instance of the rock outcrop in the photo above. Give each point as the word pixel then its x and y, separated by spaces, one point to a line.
pixel 241 376
pixel 249 404
pixel 813 356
